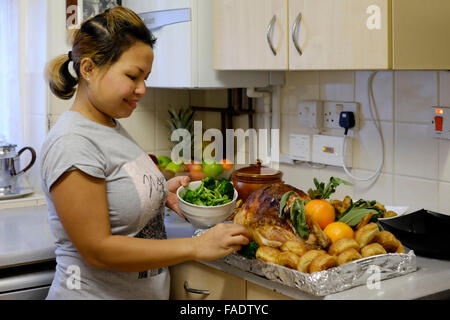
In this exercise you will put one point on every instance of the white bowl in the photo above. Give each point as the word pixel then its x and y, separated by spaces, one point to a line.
pixel 204 216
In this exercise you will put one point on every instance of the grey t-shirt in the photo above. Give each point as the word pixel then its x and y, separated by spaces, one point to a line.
pixel 136 193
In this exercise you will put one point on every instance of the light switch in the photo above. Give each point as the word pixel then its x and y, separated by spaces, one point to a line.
pixel 440 122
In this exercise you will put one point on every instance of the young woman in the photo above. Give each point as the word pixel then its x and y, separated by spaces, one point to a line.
pixel 105 196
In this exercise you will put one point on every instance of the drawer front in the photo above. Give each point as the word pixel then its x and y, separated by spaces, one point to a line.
pixel 200 277
pixel 255 292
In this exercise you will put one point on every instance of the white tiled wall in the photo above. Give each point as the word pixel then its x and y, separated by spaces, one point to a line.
pixel 416 168
pixel 148 123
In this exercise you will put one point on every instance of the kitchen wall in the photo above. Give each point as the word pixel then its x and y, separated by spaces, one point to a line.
pixel 416 169
pixel 148 123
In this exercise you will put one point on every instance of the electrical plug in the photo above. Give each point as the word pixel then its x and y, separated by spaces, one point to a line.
pixel 346 120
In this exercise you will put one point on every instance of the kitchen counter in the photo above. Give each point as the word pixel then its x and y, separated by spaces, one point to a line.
pixel 25 237
pixel 430 281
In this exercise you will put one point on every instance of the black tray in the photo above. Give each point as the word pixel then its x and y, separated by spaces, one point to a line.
pixel 426 232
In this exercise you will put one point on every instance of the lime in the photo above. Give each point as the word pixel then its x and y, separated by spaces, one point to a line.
pixel 172 166
pixel 163 161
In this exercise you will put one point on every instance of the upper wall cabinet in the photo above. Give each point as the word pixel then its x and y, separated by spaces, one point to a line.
pixel 331 34
pixel 300 34
pixel 421 34
pixel 250 34
pixel 184 46
pixel 338 34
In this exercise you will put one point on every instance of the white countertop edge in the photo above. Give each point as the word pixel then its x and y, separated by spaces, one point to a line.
pixel 35 199
pixel 22 258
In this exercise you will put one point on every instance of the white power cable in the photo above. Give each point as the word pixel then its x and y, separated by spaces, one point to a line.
pixel 343 155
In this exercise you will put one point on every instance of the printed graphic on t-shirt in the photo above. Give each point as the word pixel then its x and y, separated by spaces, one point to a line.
pixel 151 187
pixel 152 190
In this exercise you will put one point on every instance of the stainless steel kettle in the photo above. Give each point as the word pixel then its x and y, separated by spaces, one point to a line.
pixel 10 166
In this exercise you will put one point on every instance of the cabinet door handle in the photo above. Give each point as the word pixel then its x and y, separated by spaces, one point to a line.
pixel 196 291
pixel 294 32
pixel 269 34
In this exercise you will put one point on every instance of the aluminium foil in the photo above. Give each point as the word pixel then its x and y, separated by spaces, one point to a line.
pixel 333 280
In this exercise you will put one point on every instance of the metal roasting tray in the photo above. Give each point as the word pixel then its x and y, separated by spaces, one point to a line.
pixel 322 283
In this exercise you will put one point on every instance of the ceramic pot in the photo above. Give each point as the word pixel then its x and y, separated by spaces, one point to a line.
pixel 249 179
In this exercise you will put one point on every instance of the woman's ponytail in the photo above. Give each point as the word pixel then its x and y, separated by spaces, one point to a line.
pixel 60 80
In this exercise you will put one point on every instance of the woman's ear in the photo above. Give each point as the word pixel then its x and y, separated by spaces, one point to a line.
pixel 87 67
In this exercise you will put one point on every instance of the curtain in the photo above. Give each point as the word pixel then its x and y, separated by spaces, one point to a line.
pixel 23 91
pixel 11 113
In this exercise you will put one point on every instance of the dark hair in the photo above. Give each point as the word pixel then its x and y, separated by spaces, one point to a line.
pixel 103 38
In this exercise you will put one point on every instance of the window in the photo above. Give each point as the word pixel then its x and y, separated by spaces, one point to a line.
pixel 23 91
pixel 11 119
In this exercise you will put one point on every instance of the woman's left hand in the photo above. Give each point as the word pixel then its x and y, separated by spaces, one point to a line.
pixel 172 186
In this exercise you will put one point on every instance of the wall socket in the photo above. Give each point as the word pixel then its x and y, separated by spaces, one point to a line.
pixel 310 114
pixel 300 147
pixel 332 110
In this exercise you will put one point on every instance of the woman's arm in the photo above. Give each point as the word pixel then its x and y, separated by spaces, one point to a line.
pixel 81 203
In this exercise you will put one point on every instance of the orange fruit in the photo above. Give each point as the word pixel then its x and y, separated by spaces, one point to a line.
pixel 226 164
pixel 197 175
pixel 321 210
pixel 338 230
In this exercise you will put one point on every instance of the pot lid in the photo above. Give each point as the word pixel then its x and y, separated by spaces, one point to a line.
pixel 258 172
pixel 6 148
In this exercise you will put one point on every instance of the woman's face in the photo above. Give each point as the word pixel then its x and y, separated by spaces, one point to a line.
pixel 116 91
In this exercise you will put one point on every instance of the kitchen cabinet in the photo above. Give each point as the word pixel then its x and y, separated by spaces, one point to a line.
pixel 420 34
pixel 221 285
pixel 255 292
pixel 184 46
pixel 338 34
pixel 332 34
pixel 250 34
pixel 300 34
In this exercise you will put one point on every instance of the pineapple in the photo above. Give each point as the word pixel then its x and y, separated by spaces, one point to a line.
pixel 182 119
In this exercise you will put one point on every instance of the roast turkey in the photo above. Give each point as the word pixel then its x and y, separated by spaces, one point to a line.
pixel 260 215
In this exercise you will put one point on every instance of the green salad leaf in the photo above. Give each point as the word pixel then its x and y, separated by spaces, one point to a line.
pixel 210 193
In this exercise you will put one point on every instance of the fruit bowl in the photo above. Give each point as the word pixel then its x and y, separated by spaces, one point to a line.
pixel 203 217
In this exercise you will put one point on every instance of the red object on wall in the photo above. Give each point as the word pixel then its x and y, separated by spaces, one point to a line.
pixel 438 123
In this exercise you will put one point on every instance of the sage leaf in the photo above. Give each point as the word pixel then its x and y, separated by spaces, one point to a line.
pixel 324 192
pixel 354 216
pixel 283 203
pixel 298 218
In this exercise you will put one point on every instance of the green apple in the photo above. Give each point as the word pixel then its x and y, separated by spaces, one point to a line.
pixel 212 168
pixel 163 161
pixel 172 166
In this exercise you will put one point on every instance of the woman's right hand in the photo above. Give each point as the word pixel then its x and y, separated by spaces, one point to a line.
pixel 221 240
